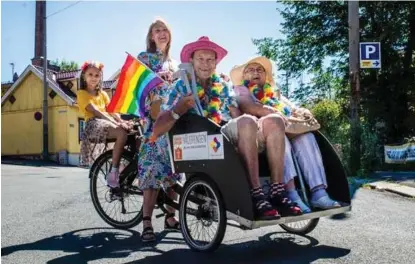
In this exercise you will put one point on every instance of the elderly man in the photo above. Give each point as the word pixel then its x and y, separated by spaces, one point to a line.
pixel 220 106
pixel 259 96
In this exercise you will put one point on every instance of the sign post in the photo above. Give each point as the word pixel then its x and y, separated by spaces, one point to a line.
pixel 370 57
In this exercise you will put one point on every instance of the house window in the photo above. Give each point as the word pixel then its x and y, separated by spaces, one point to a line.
pixel 52 94
pixel 12 99
pixel 81 126
pixel 69 85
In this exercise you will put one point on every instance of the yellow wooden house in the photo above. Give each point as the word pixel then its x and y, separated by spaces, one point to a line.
pixel 22 120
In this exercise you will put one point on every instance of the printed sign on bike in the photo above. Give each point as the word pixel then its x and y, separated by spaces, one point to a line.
pixel 192 146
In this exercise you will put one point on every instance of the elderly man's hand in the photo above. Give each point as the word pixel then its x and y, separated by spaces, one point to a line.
pixel 184 104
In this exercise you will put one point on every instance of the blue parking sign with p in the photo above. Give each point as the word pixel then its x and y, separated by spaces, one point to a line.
pixel 370 55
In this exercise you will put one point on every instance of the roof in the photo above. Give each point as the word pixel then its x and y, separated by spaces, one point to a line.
pixel 108 84
pixel 54 79
pixel 67 75
pixel 66 94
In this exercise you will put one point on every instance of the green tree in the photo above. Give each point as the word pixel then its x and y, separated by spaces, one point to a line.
pixel 66 65
pixel 316 43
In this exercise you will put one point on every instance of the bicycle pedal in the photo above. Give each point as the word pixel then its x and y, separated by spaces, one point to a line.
pixel 160 215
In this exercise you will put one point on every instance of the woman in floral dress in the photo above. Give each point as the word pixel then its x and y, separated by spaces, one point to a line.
pixel 154 167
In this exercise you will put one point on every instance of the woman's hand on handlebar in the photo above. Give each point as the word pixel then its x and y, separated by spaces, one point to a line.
pixel 126 125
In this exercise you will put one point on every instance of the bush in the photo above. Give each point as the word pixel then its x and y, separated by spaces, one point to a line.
pixel 336 127
pixel 328 113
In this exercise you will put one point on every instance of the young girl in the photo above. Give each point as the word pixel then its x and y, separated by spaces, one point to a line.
pixel 154 169
pixel 100 125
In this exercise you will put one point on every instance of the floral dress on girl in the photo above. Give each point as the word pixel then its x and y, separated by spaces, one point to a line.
pixel 154 167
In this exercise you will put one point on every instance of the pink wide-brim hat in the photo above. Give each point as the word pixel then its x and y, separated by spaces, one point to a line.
pixel 203 43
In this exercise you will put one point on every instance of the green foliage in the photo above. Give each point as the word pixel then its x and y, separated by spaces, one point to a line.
pixel 316 43
pixel 66 65
pixel 328 112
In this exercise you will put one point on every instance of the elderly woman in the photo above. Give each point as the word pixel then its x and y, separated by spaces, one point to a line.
pixel 254 85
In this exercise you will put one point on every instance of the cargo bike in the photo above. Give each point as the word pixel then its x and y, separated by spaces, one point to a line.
pixel 216 190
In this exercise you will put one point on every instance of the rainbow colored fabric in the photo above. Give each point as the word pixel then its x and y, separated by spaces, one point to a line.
pixel 135 82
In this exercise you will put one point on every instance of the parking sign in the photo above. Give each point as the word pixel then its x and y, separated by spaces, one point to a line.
pixel 370 55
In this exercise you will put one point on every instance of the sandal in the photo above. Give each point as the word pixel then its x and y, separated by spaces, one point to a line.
pixel 279 199
pixel 263 209
pixel 148 232
pixel 175 227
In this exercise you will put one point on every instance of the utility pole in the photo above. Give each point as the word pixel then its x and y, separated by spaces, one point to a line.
pixel 353 12
pixel 45 90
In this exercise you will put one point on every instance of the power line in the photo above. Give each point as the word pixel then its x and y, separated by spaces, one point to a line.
pixel 63 9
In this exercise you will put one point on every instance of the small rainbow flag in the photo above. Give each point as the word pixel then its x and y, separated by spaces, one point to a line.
pixel 135 82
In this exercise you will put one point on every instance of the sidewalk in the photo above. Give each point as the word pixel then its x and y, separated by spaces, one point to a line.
pixel 397 188
pixel 33 163
pixel 402 183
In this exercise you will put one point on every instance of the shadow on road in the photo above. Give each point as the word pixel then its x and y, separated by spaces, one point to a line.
pixel 107 243
pixel 278 247
pixel 91 244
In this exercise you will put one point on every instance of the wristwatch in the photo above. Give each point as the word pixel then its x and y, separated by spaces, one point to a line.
pixel 174 115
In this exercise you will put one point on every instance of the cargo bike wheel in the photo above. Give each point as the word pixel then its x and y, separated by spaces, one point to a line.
pixel 301 227
pixel 121 209
pixel 202 214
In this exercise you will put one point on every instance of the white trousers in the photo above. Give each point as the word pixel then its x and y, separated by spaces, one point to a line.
pixel 309 159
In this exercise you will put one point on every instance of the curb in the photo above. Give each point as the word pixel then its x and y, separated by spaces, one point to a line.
pixel 394 188
pixel 34 163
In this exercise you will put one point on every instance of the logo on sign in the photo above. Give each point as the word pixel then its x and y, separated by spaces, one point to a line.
pixel 216 147
pixel 178 154
pixel 215 144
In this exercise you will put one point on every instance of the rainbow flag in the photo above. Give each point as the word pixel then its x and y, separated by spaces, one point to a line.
pixel 135 82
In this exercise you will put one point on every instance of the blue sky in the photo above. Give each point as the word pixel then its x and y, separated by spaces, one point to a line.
pixel 105 30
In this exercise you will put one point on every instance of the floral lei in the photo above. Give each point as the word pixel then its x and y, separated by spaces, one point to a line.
pixel 211 108
pixel 267 96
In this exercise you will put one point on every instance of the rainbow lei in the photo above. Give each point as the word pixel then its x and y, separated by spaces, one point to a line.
pixel 267 96
pixel 211 105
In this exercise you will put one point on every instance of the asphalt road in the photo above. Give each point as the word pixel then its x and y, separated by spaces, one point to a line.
pixel 47 217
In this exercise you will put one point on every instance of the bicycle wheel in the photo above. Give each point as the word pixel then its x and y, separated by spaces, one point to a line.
pixel 301 227
pixel 122 209
pixel 202 206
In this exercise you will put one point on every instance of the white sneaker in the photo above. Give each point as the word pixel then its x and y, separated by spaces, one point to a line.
pixel 113 179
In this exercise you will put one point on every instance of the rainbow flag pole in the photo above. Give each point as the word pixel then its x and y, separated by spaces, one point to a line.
pixel 135 82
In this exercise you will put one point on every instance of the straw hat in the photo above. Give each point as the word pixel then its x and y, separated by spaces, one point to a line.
pixel 237 71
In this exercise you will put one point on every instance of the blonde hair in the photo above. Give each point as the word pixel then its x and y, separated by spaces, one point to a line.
pixel 151 45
